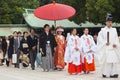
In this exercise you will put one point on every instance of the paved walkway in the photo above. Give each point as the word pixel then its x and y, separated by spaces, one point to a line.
pixel 7 73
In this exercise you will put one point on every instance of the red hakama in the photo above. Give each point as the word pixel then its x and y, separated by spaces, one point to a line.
pixel 72 68
pixel 88 67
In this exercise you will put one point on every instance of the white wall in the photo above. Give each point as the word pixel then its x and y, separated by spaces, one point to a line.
pixel 9 30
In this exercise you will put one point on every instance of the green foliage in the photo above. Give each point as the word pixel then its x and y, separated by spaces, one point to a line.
pixel 90 5
pixel 116 13
pixel 11 10
pixel 97 9
pixel 94 10
pixel 86 10
pixel 44 2
pixel 79 5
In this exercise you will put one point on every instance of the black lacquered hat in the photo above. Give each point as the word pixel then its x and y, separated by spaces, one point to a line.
pixel 108 17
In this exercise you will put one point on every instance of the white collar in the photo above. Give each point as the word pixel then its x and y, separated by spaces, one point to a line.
pixel 73 35
pixel 107 27
pixel 86 35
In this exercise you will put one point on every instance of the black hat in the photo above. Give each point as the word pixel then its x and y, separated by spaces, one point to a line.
pixel 109 17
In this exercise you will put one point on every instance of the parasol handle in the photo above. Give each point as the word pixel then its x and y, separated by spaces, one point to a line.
pixel 55 23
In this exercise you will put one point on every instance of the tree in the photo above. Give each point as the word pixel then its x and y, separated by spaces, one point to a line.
pixel 116 13
pixel 97 10
pixel 91 11
pixel 79 5
pixel 86 10
pixel 94 10
pixel 44 2
pixel 11 11
pixel 4 11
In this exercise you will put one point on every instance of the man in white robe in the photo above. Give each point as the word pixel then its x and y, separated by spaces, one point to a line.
pixel 108 49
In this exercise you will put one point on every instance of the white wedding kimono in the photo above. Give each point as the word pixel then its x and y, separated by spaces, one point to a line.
pixel 108 55
pixel 87 47
pixel 71 55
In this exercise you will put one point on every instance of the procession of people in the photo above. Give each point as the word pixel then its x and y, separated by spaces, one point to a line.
pixel 57 51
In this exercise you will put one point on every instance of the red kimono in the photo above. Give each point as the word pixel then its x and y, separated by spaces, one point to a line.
pixel 59 53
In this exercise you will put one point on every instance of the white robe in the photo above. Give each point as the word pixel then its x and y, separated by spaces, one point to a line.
pixel 108 54
pixel 71 55
pixel 86 48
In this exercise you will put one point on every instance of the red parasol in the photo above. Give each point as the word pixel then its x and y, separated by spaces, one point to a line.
pixel 54 11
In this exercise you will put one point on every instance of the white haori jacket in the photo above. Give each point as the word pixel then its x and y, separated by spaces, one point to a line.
pixel 106 53
pixel 86 48
pixel 71 55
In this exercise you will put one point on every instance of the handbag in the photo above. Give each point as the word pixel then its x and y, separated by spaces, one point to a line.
pixel 38 58
pixel 14 58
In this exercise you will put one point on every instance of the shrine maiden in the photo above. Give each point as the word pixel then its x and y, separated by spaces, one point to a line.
pixel 73 54
pixel 88 51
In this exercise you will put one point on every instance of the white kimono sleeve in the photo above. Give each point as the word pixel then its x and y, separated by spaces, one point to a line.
pixel 69 48
pixel 117 50
pixel 85 48
pixel 100 41
pixel 93 45
pixel 101 46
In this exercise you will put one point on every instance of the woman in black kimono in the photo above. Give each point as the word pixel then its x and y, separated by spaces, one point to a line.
pixel 24 49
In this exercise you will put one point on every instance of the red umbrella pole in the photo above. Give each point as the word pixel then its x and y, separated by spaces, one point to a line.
pixel 55 23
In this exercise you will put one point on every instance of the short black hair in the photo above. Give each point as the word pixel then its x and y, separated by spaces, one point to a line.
pixel 46 25
pixel 14 32
pixel 73 29
pixel 32 29
pixel 19 32
pixel 85 28
pixel 25 32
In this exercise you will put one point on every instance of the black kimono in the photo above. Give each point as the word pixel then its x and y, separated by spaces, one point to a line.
pixel 43 41
pixel 24 46
pixel 47 43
